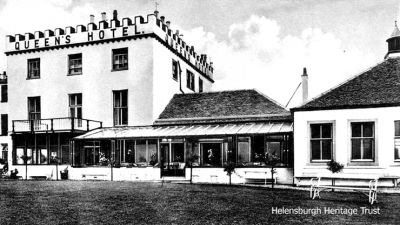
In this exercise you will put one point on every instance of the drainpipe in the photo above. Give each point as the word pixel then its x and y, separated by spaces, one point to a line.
pixel 180 77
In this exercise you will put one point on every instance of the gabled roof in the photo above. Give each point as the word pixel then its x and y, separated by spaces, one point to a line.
pixel 377 87
pixel 224 106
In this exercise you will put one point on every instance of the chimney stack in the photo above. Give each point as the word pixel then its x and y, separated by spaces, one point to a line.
pixel 304 84
pixel 115 15
pixel 103 16
pixel 91 18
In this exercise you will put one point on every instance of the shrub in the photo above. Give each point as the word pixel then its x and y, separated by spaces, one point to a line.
pixel 334 166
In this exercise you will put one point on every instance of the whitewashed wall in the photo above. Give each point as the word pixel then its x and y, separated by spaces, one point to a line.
pixel 384 137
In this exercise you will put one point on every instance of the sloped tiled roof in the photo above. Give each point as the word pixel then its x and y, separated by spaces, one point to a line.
pixel 377 87
pixel 223 104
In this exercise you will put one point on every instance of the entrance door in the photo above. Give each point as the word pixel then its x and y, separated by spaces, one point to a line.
pixel 172 159
pixel 92 154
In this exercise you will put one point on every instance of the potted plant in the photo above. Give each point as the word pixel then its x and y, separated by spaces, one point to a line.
pixel 192 159
pixel 64 173
pixel 26 158
pixel 229 169
pixel 103 161
pixel 13 173
pixel 335 167
pixel 153 159
pixel 269 159
pixel 55 160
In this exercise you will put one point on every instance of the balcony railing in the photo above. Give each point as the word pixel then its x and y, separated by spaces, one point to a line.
pixel 55 124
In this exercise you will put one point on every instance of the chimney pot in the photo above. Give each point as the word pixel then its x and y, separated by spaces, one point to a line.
pixel 162 18
pixel 103 16
pixel 91 18
pixel 168 23
pixel 156 13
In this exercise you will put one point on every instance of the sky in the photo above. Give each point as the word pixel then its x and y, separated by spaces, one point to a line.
pixel 254 44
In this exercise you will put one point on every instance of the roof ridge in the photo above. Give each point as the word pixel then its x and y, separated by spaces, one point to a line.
pixel 212 92
pixel 342 83
pixel 269 98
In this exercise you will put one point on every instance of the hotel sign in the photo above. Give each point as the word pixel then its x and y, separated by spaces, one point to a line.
pixel 78 37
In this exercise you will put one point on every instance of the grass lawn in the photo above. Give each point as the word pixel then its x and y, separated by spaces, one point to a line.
pixel 86 202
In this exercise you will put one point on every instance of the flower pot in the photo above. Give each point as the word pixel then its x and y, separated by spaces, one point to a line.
pixel 64 175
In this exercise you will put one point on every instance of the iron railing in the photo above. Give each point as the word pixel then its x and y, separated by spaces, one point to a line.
pixel 55 124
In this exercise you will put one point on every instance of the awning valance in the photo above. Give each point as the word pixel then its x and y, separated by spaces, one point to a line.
pixel 188 130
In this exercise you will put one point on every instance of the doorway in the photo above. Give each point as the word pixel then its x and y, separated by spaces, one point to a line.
pixel 172 159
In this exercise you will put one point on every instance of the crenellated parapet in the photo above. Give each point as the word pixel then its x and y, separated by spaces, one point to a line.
pixel 105 30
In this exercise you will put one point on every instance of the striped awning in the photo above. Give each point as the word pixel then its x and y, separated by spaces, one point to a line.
pixel 188 130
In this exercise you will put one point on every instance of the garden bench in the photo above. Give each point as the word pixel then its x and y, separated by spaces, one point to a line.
pixel 45 176
pixel 94 176
pixel 371 191
pixel 38 177
pixel 258 177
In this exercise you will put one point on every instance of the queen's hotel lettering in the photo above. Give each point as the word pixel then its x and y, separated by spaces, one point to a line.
pixel 90 36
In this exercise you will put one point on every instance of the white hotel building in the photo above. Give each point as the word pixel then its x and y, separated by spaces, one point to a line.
pixel 91 94
pixel 113 73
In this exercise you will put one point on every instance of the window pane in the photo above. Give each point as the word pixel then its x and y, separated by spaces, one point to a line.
pixel 397 149
pixel 141 152
pixel 315 130
pixel 356 129
pixel 79 99
pixel 177 152
pixel 43 156
pixel 368 129
pixel 117 99
pixel 326 149
pixel 368 147
pixel 326 130
pixel 153 158
pixel 243 151
pixel 356 149
pixel 124 102
pixel 124 116
pixel 20 153
pixel 37 104
pixel 211 154
pixel 72 100
pixel 315 150
pixel 130 151
pixel 65 154
pixel 397 128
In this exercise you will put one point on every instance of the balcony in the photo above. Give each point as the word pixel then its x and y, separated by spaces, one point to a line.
pixel 65 124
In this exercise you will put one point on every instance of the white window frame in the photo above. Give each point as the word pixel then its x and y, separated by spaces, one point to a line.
pixel 120 60
pixel 309 153
pixel 362 162
pixel 396 138
pixel 119 110
pixel 75 64
pixel 33 68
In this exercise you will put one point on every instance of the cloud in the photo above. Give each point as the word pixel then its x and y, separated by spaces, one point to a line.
pixel 256 55
pixel 22 16
pixel 29 16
